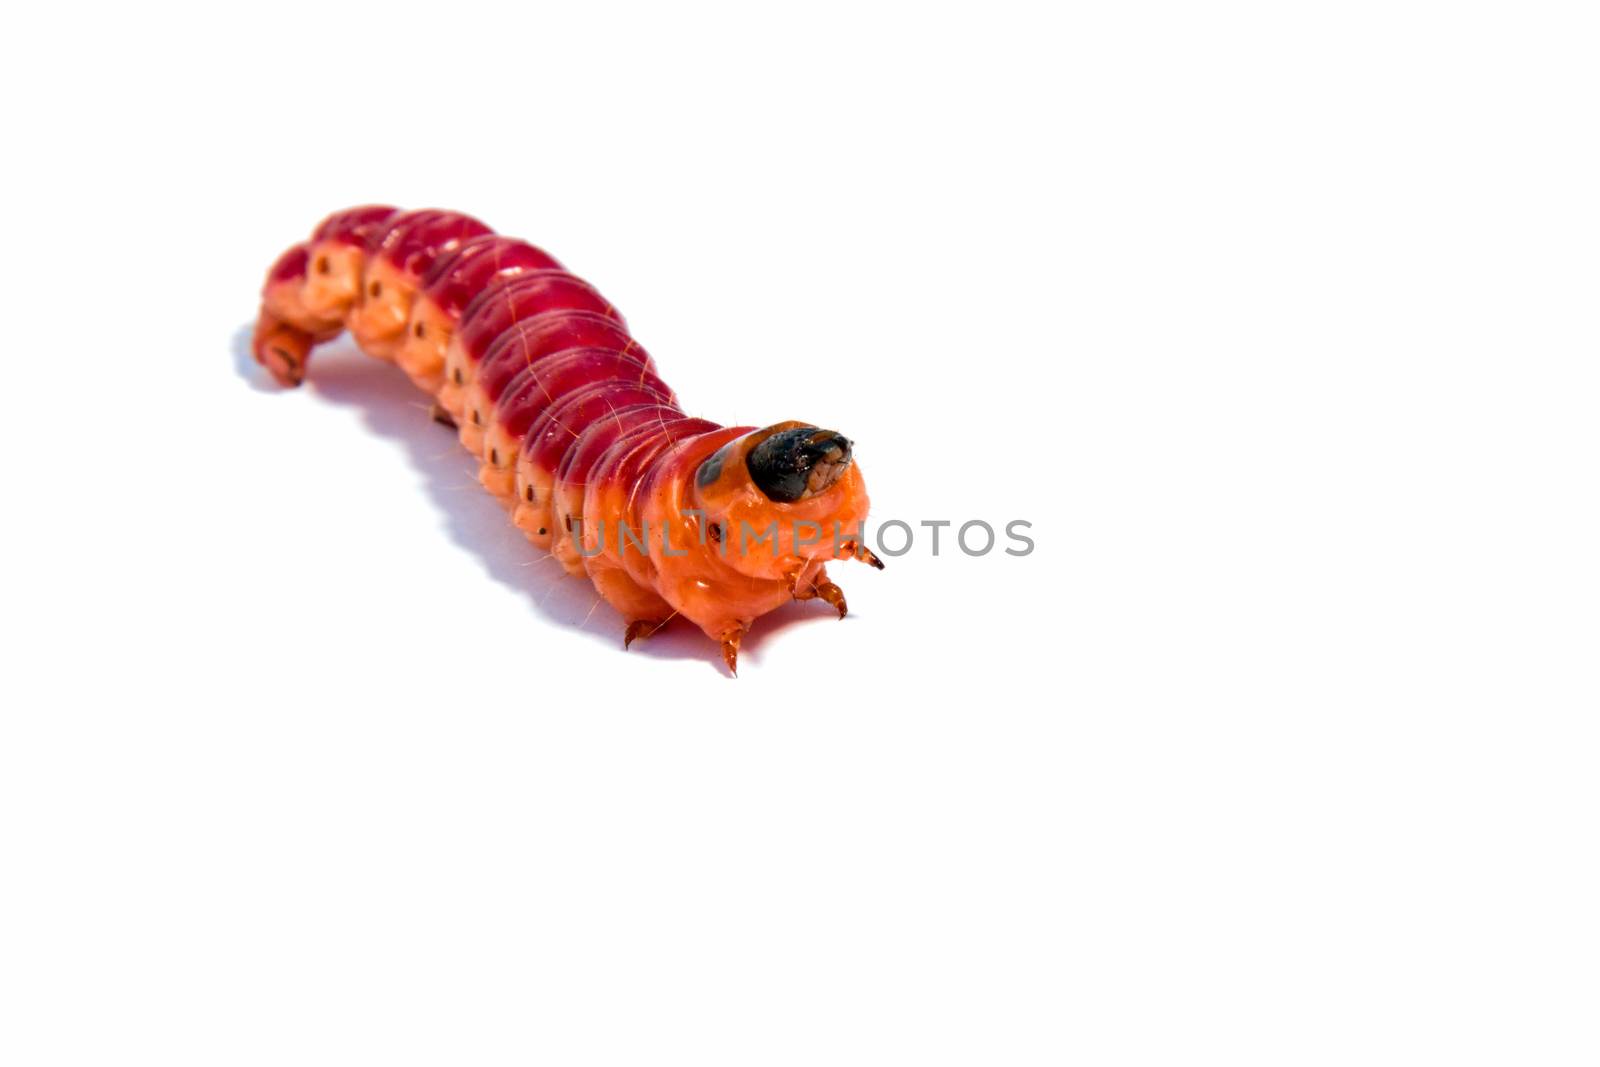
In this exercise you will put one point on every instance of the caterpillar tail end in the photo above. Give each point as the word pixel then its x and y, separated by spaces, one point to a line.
pixel 282 349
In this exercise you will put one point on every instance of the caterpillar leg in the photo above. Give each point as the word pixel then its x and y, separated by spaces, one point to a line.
pixel 730 650
pixel 818 587
pixel 286 330
pixel 851 550
pixel 281 348
pixel 632 600
pixel 641 628
pixel 831 594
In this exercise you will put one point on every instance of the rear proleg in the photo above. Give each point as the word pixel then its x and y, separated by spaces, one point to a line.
pixel 639 628
pixel 286 330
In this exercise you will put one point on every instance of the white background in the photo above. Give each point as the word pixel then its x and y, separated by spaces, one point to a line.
pixel 1278 322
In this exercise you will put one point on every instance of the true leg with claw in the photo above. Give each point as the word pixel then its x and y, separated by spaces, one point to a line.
pixel 851 550
pixel 730 650
pixel 818 588
pixel 641 628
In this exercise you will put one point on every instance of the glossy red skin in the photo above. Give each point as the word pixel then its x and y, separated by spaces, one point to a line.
pixel 529 341
pixel 506 303
pixel 558 428
pixel 393 229
pixel 356 225
pixel 631 458
pixel 455 281
pixel 595 442
pixel 290 266
pixel 552 379
pixel 418 239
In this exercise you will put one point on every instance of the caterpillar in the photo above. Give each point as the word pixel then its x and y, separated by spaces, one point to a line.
pixel 667 515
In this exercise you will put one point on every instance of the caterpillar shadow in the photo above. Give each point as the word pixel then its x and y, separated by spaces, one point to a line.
pixel 391 407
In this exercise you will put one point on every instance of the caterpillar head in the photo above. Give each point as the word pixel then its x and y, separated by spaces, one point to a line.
pixel 798 463
pixel 782 497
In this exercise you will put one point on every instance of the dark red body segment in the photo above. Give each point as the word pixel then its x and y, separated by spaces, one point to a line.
pixel 558 428
pixel 417 246
pixel 455 281
pixel 548 381
pixel 514 300
pixel 526 343
pixel 289 266
pixel 596 441
pixel 627 460
pixel 356 225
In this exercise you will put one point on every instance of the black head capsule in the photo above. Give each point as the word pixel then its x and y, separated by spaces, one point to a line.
pixel 794 464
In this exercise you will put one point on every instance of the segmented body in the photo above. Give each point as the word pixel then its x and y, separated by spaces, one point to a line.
pixel 574 430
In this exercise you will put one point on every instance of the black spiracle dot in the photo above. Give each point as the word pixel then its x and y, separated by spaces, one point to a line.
pixel 527 494
pixel 494 456
pixel 375 289
pixel 322 265
pixel 417 331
